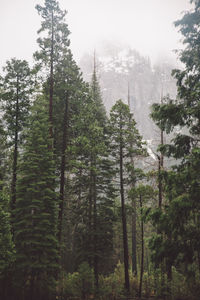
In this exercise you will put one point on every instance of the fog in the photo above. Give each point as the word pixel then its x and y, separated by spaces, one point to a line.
pixel 145 25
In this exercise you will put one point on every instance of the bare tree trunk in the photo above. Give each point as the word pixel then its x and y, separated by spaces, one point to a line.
pixel 134 243
pixel 51 79
pixel 134 215
pixel 160 168
pixel 96 275
pixel 15 154
pixel 125 240
pixel 160 198
pixel 90 219
pixel 142 251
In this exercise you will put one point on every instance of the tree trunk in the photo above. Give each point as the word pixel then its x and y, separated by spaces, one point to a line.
pixel 62 168
pixel 134 215
pixel 134 231
pixel 125 240
pixel 142 251
pixel 15 154
pixel 160 168
pixel 96 275
pixel 90 219
pixel 51 79
pixel 198 256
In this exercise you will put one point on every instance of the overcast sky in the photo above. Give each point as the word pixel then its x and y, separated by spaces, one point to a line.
pixel 145 25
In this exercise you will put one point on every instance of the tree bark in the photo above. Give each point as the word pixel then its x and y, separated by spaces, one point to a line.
pixel 90 218
pixel 134 231
pixel 51 79
pixel 142 251
pixel 134 215
pixel 96 275
pixel 124 227
pixel 160 168
pixel 15 154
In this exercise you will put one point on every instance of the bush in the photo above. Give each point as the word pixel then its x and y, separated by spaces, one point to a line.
pixel 80 284
pixel 111 286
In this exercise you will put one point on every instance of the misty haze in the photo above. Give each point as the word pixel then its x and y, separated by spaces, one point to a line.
pixel 100 150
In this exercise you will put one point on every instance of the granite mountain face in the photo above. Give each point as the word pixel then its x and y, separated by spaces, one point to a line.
pixel 126 73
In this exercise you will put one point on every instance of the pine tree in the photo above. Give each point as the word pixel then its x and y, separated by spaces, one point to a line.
pixel 95 92
pixel 180 220
pixel 53 46
pixel 6 242
pixel 36 212
pixel 143 193
pixel 17 87
pixel 135 150
pixel 97 132
pixel 126 142
pixel 92 179
pixel 68 95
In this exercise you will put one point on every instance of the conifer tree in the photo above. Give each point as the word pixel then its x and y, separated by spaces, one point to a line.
pixel 126 142
pixel 95 92
pixel 92 178
pixel 36 212
pixel 180 220
pixel 17 86
pixel 53 46
pixel 119 118
pixel 68 95
pixel 96 133
pixel 7 256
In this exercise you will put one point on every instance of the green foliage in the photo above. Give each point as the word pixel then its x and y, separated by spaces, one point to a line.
pixel 7 249
pixel 95 93
pixel 168 115
pixel 81 283
pixel 36 210
pixel 126 138
pixel 55 32
pixel 177 224
pixel 91 186
pixel 112 286
pixel 70 92
pixel 15 95
pixel 91 154
pixel 17 86
pixel 6 243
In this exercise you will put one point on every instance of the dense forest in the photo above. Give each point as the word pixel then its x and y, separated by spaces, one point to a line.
pixel 85 213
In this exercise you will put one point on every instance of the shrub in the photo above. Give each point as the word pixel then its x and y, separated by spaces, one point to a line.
pixel 80 284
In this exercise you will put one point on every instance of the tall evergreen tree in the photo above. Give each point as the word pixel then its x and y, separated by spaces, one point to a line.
pixel 17 86
pixel 119 119
pixel 6 241
pixel 100 120
pixel 126 142
pixel 68 96
pixel 133 202
pixel 52 46
pixel 36 212
pixel 180 220
pixel 92 178
pixel 95 92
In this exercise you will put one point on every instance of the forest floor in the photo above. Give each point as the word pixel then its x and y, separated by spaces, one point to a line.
pixel 136 298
